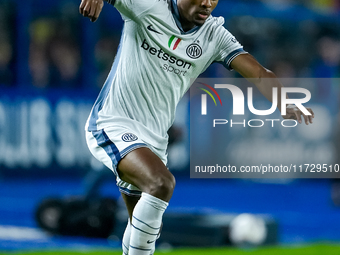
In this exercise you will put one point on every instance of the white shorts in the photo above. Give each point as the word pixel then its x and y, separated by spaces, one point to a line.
pixel 110 145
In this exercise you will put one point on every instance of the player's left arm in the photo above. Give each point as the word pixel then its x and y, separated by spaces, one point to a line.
pixel 265 80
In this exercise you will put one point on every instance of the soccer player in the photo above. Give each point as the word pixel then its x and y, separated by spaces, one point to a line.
pixel 164 44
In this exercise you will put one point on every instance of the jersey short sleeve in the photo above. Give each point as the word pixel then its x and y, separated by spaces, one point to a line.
pixel 132 9
pixel 228 48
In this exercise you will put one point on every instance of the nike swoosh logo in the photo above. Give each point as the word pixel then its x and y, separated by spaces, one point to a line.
pixel 148 241
pixel 149 27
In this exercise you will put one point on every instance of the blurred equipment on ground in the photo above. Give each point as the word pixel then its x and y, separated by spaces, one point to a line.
pixel 77 216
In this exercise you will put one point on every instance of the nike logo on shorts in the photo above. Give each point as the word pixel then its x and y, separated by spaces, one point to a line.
pixel 148 241
pixel 149 27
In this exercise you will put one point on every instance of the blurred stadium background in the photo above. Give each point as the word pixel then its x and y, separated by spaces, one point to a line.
pixel 52 65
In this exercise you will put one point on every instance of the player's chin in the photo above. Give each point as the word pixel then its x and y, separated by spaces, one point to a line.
pixel 199 22
pixel 200 18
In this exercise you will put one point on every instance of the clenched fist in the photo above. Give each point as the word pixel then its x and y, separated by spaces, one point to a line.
pixel 91 8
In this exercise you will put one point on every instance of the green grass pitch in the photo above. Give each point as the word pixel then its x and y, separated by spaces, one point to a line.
pixel 318 249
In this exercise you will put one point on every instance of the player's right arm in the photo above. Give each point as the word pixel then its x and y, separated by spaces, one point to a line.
pixel 91 9
pixel 129 9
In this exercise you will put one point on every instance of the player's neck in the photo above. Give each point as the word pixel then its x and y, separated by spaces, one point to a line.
pixel 186 25
pixel 181 17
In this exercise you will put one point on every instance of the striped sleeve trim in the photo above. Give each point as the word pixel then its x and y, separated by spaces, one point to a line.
pixel 227 61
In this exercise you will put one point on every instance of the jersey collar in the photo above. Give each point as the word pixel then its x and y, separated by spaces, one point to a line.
pixel 175 14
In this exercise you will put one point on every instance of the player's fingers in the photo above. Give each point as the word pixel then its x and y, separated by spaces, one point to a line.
pixel 306 119
pixel 98 11
pixel 87 9
pixel 298 116
pixel 93 9
pixel 310 117
pixel 81 6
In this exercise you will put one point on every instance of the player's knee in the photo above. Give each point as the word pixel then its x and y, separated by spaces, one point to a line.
pixel 163 186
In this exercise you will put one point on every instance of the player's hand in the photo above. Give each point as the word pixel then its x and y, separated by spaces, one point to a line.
pixel 292 112
pixel 91 8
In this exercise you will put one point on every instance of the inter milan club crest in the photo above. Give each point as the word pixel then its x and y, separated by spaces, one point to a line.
pixel 194 50
pixel 129 137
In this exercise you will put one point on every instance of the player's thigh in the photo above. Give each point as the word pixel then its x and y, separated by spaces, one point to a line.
pixel 145 170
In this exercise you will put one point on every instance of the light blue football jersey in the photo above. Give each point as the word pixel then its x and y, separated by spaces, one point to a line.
pixel 154 67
